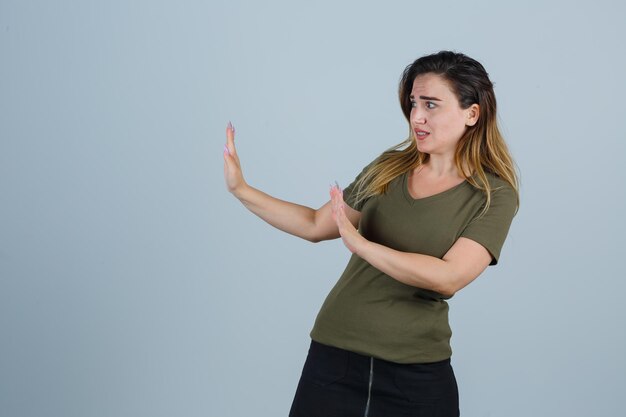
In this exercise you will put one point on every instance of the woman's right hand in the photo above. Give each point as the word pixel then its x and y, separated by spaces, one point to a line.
pixel 232 168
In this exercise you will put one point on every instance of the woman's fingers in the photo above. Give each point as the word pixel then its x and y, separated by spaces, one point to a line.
pixel 333 202
pixel 336 195
pixel 229 147
pixel 339 190
pixel 232 167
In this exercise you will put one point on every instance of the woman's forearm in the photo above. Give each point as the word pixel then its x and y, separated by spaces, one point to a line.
pixel 423 271
pixel 461 264
pixel 289 217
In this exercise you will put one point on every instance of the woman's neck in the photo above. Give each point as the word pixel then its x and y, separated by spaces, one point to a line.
pixel 440 167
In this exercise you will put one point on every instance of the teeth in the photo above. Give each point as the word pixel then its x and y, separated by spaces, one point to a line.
pixel 421 133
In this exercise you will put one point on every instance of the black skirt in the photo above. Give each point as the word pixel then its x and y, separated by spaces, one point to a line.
pixel 340 383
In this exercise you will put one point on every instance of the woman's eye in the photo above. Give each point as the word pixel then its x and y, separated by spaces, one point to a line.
pixel 413 103
pixel 430 105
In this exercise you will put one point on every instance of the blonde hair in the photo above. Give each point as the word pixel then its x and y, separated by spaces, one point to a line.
pixel 481 149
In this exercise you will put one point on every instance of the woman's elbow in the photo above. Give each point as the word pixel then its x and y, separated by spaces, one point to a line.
pixel 455 284
pixel 447 290
pixel 318 238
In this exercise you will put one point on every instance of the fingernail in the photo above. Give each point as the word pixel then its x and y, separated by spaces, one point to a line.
pixel 230 125
pixel 226 150
pixel 233 129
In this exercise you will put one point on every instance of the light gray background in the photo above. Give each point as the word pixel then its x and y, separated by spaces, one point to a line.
pixel 133 284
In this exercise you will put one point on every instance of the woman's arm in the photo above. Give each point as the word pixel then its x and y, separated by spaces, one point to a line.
pixel 463 262
pixel 305 222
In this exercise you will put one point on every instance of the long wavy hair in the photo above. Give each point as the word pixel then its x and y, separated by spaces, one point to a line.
pixel 480 150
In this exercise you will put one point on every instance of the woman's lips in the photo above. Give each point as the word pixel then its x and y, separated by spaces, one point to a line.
pixel 421 134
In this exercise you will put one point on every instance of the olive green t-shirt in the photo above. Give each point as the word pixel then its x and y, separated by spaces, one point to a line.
pixel 369 312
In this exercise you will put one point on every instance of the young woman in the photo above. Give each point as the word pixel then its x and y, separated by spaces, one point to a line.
pixel 422 221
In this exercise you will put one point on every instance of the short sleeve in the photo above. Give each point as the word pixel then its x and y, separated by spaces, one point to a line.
pixel 491 229
pixel 349 193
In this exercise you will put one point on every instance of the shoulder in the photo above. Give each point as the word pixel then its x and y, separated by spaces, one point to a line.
pixel 491 224
pixel 496 182
pixel 500 187
pixel 496 195
pixel 503 199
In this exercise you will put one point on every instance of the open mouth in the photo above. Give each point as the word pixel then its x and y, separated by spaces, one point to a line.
pixel 421 134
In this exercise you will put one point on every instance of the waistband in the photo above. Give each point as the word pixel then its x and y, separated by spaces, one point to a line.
pixel 365 359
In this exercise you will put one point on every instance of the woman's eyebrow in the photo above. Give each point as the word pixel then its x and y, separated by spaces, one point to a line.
pixel 427 98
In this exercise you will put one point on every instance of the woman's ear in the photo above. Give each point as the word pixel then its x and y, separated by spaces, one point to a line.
pixel 473 113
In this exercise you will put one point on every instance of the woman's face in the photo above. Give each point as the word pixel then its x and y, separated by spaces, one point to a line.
pixel 437 119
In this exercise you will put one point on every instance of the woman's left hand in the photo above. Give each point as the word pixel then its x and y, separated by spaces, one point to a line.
pixel 350 236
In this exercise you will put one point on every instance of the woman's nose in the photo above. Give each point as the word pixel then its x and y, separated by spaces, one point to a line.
pixel 417 117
